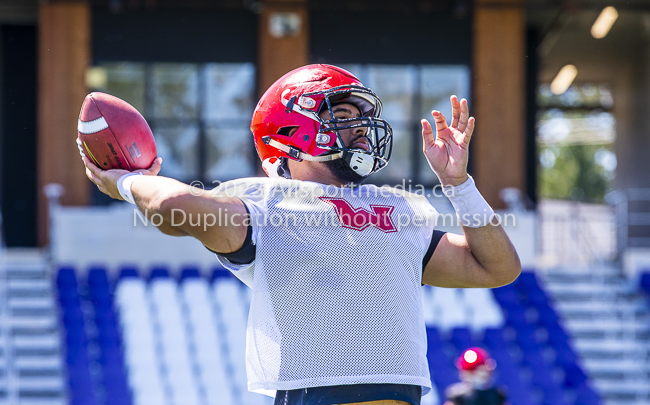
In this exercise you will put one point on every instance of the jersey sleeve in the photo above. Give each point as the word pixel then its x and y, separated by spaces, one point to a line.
pixel 253 192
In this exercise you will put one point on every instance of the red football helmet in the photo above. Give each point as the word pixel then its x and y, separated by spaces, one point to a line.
pixel 295 101
pixel 473 358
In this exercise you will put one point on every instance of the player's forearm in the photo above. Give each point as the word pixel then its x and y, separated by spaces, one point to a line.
pixel 157 197
pixel 492 249
pixel 177 209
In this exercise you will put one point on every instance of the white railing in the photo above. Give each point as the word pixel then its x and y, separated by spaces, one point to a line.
pixel 575 233
pixel 632 208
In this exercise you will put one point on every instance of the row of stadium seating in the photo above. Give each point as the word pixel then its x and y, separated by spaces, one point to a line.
pixel 168 341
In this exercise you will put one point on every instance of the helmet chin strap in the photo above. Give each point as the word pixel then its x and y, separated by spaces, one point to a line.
pixel 361 163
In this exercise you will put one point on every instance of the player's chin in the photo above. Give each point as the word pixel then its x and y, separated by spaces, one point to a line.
pixel 344 173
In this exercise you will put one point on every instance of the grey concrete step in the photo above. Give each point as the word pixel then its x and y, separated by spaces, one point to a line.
pixel 38 363
pixel 610 325
pixel 42 303
pixel 31 283
pixel 28 274
pixel 47 341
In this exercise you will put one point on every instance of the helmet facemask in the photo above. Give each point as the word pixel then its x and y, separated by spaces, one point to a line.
pixel 379 134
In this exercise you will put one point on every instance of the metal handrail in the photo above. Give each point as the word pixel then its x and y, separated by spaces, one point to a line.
pixel 626 217
pixel 567 235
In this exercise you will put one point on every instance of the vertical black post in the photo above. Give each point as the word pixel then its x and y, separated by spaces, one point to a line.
pixel 532 71
pixel 416 147
pixel 201 144
pixel 18 178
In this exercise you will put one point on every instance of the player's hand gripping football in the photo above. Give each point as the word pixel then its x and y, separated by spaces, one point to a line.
pixel 106 180
pixel 447 153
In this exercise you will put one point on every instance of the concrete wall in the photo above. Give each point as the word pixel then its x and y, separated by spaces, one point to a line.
pixel 116 235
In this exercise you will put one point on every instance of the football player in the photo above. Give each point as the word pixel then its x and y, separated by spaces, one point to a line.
pixel 336 267
pixel 475 369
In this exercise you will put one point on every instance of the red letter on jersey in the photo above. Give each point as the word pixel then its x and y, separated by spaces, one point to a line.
pixel 360 218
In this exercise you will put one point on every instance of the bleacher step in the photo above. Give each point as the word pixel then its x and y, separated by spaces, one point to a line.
pixel 40 284
pixel 27 274
pixel 41 384
pixel 38 363
pixel 33 322
pixel 47 341
pixel 41 401
pixel 610 326
pixel 30 303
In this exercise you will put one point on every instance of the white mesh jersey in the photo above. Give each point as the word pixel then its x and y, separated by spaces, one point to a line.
pixel 334 302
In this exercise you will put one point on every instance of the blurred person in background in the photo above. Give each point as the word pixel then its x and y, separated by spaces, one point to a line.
pixel 476 386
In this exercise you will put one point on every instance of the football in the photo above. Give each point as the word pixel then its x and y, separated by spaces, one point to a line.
pixel 113 134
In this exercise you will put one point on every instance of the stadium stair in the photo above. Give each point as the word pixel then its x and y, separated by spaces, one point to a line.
pixel 31 371
pixel 518 325
pixel 609 321
pixel 159 339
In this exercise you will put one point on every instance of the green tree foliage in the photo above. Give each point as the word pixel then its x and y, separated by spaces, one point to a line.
pixel 571 172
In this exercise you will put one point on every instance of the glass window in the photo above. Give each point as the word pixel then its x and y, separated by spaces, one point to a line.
pixel 126 81
pixel 174 91
pixel 575 140
pixel 178 146
pixel 229 104
pixel 229 91
pixel 199 114
pixel 227 147
pixel 408 94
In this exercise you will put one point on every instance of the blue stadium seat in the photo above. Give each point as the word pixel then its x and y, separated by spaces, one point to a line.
pixel 527 281
pixel 433 337
pixel 97 278
pixel 537 298
pixel 73 318
pixel 158 272
pixel 219 272
pixel 645 281
pixel 529 311
pixel 128 272
pixel 546 316
pixel 190 272
pixel 69 299
pixel 507 296
pixel 112 378
pixel 461 338
pixel 574 376
pixel 585 395
pixel 516 317
pixel 66 279
pixel 554 396
pixel 518 394
pixel 102 300
pixel 527 339
pixel 442 369
pixel 493 339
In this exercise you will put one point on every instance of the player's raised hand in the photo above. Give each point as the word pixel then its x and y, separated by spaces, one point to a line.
pixel 447 152
pixel 106 180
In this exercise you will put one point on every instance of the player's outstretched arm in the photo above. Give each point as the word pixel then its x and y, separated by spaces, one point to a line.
pixel 179 209
pixel 483 256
